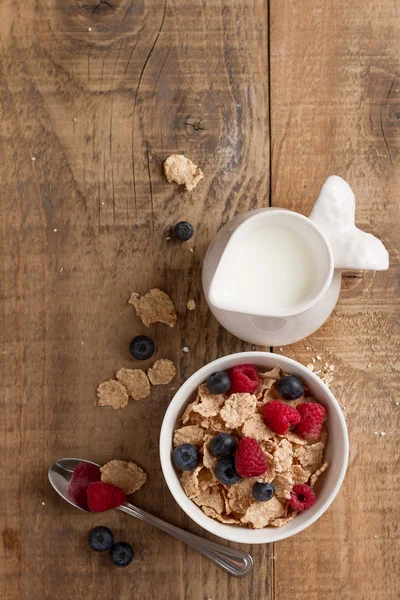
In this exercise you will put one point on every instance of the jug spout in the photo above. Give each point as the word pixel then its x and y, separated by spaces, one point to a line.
pixel 334 214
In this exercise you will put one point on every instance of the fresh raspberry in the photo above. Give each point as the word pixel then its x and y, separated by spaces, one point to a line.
pixel 302 497
pixel 280 416
pixel 244 378
pixel 84 474
pixel 312 416
pixel 249 458
pixel 103 496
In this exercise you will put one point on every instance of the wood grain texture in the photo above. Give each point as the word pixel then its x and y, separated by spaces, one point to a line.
pixel 335 97
pixel 93 97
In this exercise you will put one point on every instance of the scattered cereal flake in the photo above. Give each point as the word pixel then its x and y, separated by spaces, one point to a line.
pixel 212 498
pixel 317 473
pixel 255 427
pixel 376 432
pixel 318 357
pixel 299 475
pixel 274 373
pixel 155 306
pixel 112 393
pixel 240 495
pixel 190 482
pixel 283 521
pixel 310 366
pixel 191 304
pixel 238 408
pixel 283 456
pixel 209 404
pixel 43 503
pixel 369 365
pixel 185 349
pixel 162 372
pixel 135 381
pixel 209 512
pixel 124 474
pixel 310 456
pixel 382 433
pixel 260 514
pixel 183 171
pixel 283 485
pixel 190 434
pixel 89 29
pixel 33 158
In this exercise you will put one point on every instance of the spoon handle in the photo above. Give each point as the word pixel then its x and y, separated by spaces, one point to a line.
pixel 236 562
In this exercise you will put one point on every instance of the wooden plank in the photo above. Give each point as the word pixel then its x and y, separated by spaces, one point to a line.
pixel 94 96
pixel 334 109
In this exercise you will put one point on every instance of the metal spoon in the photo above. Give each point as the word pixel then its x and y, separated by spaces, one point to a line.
pixel 234 561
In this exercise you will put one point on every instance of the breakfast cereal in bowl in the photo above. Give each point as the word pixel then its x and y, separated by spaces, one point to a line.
pixel 249 447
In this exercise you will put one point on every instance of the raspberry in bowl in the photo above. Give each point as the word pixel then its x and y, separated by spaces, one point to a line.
pixel 241 457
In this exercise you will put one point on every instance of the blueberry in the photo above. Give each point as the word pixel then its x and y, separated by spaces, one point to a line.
pixel 225 470
pixel 183 231
pixel 101 539
pixel 290 387
pixel 186 457
pixel 223 444
pixel 262 492
pixel 121 554
pixel 219 382
pixel 141 347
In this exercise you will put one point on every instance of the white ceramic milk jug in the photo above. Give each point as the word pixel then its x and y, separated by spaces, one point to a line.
pixel 272 276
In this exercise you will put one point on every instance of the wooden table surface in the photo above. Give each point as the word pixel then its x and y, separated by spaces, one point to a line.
pixel 269 98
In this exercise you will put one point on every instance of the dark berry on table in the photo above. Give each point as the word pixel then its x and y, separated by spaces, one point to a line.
pixel 244 379
pixel 121 554
pixel 225 470
pixel 142 347
pixel 183 231
pixel 290 387
pixel 223 444
pixel 262 492
pixel 186 457
pixel 219 382
pixel 101 539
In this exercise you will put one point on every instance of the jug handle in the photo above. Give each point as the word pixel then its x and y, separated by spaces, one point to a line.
pixel 334 213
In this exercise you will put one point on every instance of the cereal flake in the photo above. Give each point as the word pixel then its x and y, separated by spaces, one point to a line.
pixel 212 498
pixel 299 475
pixel 240 495
pixel 283 456
pixel 210 512
pixel 280 522
pixel 190 434
pixel 162 372
pixel 274 373
pixel 190 482
pixel 310 456
pixel 318 472
pixel 112 393
pixel 257 429
pixel 124 474
pixel 136 382
pixel 208 404
pixel 238 408
pixel 191 304
pixel 283 485
pixel 260 514
pixel 183 171
pixel 155 306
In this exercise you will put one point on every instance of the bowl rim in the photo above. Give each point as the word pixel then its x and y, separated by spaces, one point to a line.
pixel 177 404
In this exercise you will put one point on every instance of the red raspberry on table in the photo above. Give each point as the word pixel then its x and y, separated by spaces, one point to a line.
pixel 244 378
pixel 280 416
pixel 312 416
pixel 104 496
pixel 249 458
pixel 302 497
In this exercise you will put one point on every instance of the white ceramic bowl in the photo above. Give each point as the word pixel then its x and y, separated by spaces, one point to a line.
pixel 336 451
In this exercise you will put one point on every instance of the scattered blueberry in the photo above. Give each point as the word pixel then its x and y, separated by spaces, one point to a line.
pixel 186 457
pixel 183 231
pixel 225 470
pixel 219 382
pixel 223 444
pixel 290 387
pixel 101 539
pixel 142 347
pixel 263 491
pixel 121 554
